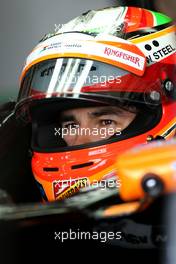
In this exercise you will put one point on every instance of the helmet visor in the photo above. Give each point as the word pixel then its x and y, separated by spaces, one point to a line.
pixel 51 87
pixel 81 78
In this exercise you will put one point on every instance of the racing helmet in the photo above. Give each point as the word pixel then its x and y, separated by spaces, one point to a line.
pixel 119 56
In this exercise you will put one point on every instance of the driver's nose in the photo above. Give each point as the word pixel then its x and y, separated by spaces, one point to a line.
pixel 84 136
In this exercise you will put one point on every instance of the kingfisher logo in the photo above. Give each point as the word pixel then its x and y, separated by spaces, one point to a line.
pixel 123 55
pixel 65 188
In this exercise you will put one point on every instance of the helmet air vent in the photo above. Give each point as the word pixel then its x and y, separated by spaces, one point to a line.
pixel 50 169
pixel 79 166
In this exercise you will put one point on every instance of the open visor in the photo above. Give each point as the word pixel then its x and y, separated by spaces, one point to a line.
pixel 81 78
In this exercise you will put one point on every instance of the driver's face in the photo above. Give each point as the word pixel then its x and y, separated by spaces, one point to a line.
pixel 85 125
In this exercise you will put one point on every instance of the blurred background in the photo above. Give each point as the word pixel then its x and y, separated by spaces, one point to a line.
pixel 24 23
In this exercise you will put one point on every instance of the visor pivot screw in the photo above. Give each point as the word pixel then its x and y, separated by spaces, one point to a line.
pixel 155 96
pixel 169 89
pixel 168 85
pixel 152 185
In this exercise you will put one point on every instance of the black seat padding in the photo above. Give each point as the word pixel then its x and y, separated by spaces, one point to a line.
pixel 15 169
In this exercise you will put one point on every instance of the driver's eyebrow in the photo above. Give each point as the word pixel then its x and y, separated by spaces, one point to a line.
pixel 106 111
pixel 67 118
pixel 96 113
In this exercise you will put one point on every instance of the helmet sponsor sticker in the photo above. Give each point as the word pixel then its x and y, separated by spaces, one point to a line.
pixel 158 48
pixel 66 188
pixel 97 151
pixel 122 54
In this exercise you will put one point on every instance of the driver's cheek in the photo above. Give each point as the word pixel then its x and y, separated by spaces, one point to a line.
pixel 126 120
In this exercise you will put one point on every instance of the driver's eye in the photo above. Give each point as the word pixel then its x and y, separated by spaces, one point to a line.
pixel 107 122
pixel 70 125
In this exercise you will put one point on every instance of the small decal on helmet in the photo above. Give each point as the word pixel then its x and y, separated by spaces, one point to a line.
pixel 58 45
pixel 120 53
pixel 66 188
pixel 159 48
pixel 125 56
pixel 97 151
pixel 159 54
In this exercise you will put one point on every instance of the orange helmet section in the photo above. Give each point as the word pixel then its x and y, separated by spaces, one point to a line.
pixel 62 174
